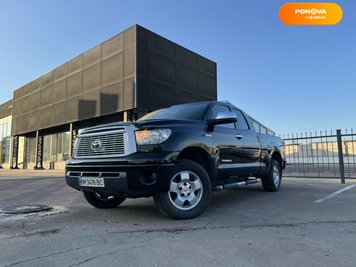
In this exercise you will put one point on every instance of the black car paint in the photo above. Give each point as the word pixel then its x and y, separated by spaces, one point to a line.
pixel 229 156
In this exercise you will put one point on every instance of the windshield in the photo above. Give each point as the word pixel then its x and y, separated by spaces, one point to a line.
pixel 194 112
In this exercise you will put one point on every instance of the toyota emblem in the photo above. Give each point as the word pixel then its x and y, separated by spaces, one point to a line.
pixel 97 146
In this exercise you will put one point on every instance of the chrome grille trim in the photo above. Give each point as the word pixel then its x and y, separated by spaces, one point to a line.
pixel 117 143
pixel 96 174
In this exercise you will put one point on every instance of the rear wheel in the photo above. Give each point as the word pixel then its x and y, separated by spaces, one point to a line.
pixel 103 202
pixel 189 193
pixel 272 181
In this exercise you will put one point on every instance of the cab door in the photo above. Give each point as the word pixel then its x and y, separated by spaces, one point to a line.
pixel 227 145
pixel 251 150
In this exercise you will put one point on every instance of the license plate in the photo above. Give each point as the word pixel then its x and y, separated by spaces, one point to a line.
pixel 91 182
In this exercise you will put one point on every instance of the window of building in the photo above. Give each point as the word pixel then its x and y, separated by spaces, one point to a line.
pixel 63 146
pixel 5 138
pixel 56 147
pixel 31 150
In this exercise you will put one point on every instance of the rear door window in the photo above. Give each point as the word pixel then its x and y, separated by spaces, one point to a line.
pixel 241 123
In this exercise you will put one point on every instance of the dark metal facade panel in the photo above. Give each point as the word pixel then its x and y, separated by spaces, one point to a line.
pixel 26 104
pixel 164 93
pixel 91 57
pixel 187 77
pixel 207 85
pixel 171 73
pixel 112 98
pixel 186 57
pixel 21 91
pixel 35 85
pixel 130 62
pixel 25 121
pixel 35 100
pixel 6 109
pixel 89 105
pixel 46 114
pixel 46 94
pixel 207 67
pixel 74 85
pixel 74 65
pixel 16 123
pixel 92 77
pixel 17 93
pixel 17 108
pixel 58 113
pixel 134 69
pixel 142 62
pixel 129 93
pixel 113 46
pixel 161 46
pixel 47 79
pixel 187 96
pixel 59 90
pixel 60 73
pixel 161 69
pixel 112 69
pixel 33 120
pixel 72 109
pixel 130 37
pixel 25 90
pixel 143 95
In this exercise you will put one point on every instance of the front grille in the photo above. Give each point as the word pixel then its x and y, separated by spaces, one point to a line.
pixel 77 174
pixel 102 145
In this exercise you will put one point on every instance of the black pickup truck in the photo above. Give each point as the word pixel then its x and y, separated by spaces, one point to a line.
pixel 178 155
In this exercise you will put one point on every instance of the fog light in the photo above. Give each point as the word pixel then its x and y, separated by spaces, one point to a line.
pixel 148 178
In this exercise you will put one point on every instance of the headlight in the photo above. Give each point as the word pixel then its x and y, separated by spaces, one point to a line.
pixel 75 143
pixel 152 137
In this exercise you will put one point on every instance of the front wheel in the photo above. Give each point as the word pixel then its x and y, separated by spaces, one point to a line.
pixel 103 202
pixel 189 193
pixel 272 181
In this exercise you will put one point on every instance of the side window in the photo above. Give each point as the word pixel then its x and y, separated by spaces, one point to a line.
pixel 256 126
pixel 263 130
pixel 260 128
pixel 214 113
pixel 241 123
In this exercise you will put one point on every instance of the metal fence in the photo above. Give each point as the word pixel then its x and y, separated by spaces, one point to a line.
pixel 321 154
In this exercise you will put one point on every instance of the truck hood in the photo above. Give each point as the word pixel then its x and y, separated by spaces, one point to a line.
pixel 159 123
pixel 147 124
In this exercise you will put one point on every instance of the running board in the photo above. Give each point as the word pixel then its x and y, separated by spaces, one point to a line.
pixel 234 185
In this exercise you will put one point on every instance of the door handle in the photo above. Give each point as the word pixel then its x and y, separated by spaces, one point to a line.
pixel 239 136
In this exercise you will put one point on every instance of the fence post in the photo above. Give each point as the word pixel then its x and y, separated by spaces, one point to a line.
pixel 341 156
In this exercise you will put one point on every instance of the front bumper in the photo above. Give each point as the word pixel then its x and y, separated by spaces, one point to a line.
pixel 136 175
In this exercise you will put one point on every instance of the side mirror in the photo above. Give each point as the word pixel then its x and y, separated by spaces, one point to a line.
pixel 224 118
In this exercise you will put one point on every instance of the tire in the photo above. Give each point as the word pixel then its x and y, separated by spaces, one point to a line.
pixel 103 202
pixel 272 181
pixel 189 193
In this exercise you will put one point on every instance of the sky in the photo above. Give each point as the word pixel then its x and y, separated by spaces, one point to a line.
pixel 291 78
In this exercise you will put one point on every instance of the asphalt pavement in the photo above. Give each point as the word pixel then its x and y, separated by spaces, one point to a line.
pixel 308 222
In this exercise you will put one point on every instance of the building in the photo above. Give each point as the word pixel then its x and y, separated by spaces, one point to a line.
pixel 121 79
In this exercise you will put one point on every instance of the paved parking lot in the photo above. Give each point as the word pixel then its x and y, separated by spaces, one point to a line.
pixel 305 223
